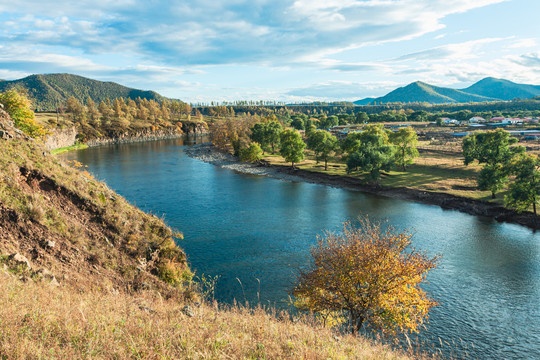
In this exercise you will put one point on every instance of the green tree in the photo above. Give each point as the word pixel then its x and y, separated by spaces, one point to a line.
pixel 267 134
pixel 405 140
pixel 361 117
pixel 369 276
pixel 274 130
pixel 492 178
pixel 525 190
pixel 259 134
pixel 323 144
pixel 298 123
pixel 419 116
pixel 376 129
pixel 328 122
pixel 252 153
pixel 292 146
pixel 351 143
pixel 373 155
pixel 492 148
pixel 18 106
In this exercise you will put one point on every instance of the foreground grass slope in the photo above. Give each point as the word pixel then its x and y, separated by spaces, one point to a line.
pixel 37 321
pixel 84 274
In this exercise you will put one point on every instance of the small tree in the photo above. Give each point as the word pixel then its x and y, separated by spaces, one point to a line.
pixel 361 117
pixel 267 134
pixel 18 106
pixel 492 178
pixel 252 153
pixel 525 190
pixel 292 146
pixel 405 140
pixel 492 148
pixel 259 135
pixel 372 156
pixel 368 275
pixel 323 144
pixel 273 131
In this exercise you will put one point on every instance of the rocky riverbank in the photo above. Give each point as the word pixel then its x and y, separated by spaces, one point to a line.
pixel 133 138
pixel 209 154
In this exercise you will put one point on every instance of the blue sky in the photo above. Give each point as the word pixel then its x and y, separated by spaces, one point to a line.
pixel 282 50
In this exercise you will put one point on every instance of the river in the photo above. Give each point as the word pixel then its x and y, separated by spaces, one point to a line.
pixel 254 232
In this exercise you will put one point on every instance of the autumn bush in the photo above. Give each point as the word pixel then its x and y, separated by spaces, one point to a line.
pixel 367 275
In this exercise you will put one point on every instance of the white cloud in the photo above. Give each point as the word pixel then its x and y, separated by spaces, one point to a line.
pixel 451 52
pixel 239 31
pixel 171 45
pixel 524 43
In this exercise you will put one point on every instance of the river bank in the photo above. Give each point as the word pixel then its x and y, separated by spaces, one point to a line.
pixel 207 153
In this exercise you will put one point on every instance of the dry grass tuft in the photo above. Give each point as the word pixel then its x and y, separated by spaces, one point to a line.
pixel 38 321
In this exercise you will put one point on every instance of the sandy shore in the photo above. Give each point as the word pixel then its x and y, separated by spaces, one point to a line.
pixel 207 153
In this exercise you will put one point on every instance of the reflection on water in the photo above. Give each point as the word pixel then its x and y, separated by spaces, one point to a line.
pixel 245 228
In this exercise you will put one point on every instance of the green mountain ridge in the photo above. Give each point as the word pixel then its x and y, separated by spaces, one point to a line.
pixel 46 91
pixel 488 89
pixel 503 89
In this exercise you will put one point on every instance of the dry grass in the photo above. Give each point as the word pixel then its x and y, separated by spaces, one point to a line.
pixel 41 322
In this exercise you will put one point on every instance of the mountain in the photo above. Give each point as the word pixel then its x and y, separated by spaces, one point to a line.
pixel 488 89
pixel 421 92
pixel 503 89
pixel 46 90
pixel 365 101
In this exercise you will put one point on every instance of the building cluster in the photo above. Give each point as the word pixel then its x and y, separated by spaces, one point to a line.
pixel 477 121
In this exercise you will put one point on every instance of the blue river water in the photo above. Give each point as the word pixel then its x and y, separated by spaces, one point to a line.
pixel 255 232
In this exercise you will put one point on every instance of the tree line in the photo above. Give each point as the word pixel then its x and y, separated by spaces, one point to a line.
pixel 373 150
pixel 410 112
pixel 121 115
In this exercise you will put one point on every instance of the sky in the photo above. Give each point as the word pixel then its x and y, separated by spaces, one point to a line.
pixel 281 50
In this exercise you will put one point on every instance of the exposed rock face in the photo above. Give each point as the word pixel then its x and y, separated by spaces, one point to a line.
pixel 195 128
pixel 141 136
pixel 7 127
pixel 60 138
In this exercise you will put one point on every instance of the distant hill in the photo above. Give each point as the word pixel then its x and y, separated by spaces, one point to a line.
pixel 488 89
pixel 503 89
pixel 365 101
pixel 46 90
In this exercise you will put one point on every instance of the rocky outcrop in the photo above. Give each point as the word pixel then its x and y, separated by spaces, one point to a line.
pixel 7 127
pixel 60 138
pixel 146 135
pixel 20 260
pixel 195 128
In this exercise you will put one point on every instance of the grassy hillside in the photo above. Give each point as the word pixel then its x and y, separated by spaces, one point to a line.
pixel 503 89
pixel 46 91
pixel 84 274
